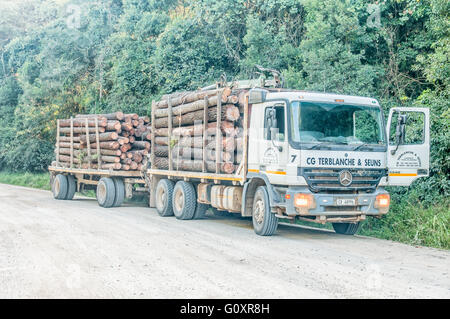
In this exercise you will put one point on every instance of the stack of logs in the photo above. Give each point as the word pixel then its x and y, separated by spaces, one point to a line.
pixel 210 118
pixel 115 141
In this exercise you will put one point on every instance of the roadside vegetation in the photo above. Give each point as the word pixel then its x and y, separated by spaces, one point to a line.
pixel 27 179
pixel 60 58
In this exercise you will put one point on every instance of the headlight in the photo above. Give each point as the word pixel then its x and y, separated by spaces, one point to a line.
pixel 304 201
pixel 382 201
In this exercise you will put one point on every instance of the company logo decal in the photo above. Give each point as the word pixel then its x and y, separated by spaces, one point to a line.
pixel 345 178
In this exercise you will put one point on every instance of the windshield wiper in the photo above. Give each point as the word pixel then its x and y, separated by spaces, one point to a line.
pixel 327 144
pixel 362 145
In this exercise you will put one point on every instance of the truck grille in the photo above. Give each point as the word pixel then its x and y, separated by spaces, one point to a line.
pixel 321 179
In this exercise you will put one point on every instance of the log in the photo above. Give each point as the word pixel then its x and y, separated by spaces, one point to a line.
pixel 229 113
pixel 197 153
pixel 125 147
pixel 188 97
pixel 127 126
pixel 67 139
pixel 108 136
pixel 111 159
pixel 123 140
pixel 66 151
pixel 110 116
pixel 141 145
pixel 78 122
pixel 227 128
pixel 133 166
pixel 193 165
pixel 145 118
pixel 67 145
pixel 110 145
pixel 193 106
pixel 114 126
pixel 132 116
pixel 81 129
pixel 228 143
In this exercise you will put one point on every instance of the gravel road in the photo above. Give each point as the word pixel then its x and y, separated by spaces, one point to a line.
pixel 76 249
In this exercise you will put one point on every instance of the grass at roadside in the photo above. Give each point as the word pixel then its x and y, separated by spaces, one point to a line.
pixel 34 180
pixel 411 223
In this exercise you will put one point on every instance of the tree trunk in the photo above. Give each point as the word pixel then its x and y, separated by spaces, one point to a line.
pixel 110 116
pixel 197 153
pixel 190 107
pixel 226 127
pixel 142 145
pixel 82 130
pixel 188 97
pixel 76 153
pixel 193 165
pixel 108 136
pixel 110 145
pixel 77 122
pixel 67 145
pixel 229 113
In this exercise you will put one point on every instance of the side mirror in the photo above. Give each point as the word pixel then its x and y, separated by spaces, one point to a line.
pixel 400 132
pixel 271 120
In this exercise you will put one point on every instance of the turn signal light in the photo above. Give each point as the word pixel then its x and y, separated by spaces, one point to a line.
pixel 382 201
pixel 304 201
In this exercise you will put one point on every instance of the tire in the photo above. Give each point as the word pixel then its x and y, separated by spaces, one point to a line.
pixel 184 200
pixel 119 187
pixel 60 187
pixel 200 211
pixel 106 192
pixel 71 187
pixel 264 221
pixel 164 191
pixel 346 228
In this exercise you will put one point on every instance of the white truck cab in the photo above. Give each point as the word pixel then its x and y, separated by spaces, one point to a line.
pixel 326 157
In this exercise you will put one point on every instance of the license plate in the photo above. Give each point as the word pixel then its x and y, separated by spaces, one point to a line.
pixel 346 201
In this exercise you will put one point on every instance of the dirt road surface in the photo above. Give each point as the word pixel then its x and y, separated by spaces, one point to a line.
pixel 76 249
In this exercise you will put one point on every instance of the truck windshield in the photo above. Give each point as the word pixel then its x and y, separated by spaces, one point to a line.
pixel 336 123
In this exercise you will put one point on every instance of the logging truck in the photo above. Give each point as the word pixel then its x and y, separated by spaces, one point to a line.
pixel 310 156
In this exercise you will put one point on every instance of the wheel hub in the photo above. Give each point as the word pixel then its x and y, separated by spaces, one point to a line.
pixel 179 200
pixel 259 211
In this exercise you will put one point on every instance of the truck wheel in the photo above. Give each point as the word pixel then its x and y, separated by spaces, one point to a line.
pixel 346 228
pixel 200 211
pixel 164 191
pixel 71 187
pixel 120 191
pixel 106 192
pixel 60 187
pixel 184 201
pixel 264 221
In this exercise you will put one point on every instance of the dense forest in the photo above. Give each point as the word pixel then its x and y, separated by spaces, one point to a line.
pixel 59 57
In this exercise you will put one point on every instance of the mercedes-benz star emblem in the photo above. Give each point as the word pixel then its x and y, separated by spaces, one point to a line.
pixel 345 178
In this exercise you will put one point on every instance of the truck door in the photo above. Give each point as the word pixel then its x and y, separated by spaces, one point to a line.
pixel 273 149
pixel 408 155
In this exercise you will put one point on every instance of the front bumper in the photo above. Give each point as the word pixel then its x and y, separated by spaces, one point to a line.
pixel 326 204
